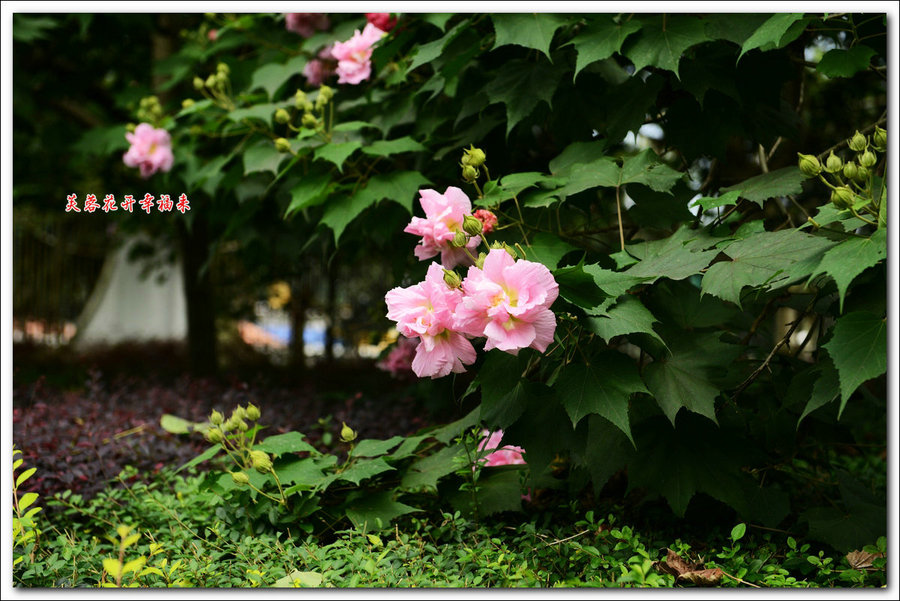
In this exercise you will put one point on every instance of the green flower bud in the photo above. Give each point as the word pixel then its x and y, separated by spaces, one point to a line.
pixel 252 412
pixel 260 461
pixel 850 170
pixel 326 92
pixel 452 279
pixel 809 164
pixel 879 139
pixel 473 157
pixel 858 142
pixel 282 116
pixel 223 68
pixel 479 261
pixel 459 240
pixel 214 435
pixel 216 418
pixel 833 164
pixel 347 433
pixel 242 425
pixel 240 478
pixel 211 81
pixel 309 121
pixel 862 174
pixel 282 145
pixel 469 173
pixel 229 425
pixel 299 99
pixel 843 197
pixel 472 225
pixel 868 159
pixel 198 83
pixel 130 127
pixel 221 78
pixel 512 251
pixel 187 103
pixel 239 413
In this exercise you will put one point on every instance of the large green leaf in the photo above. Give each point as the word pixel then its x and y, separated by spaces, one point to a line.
pixel 431 50
pixel 850 258
pixel 601 39
pixel 846 63
pixel 531 30
pixel 603 387
pixel 521 85
pixel 613 283
pixel 364 469
pixel 499 489
pixel 674 257
pixel 858 348
pixel 502 388
pixel 578 287
pixel 663 40
pixel 645 168
pixel 337 152
pixel 271 76
pixel 682 379
pixel 777 183
pixel 369 509
pixel 826 387
pixel 771 32
pixel 385 148
pixel 766 259
pixel 628 316
pixel 426 472
pixel 310 191
pixel 263 157
pixel 374 448
pixel 548 249
pixel 290 442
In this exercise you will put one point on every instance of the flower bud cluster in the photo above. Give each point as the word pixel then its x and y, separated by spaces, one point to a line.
pixel 149 110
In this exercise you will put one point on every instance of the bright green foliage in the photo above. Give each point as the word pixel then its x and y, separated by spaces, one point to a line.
pixel 772 33
pixel 770 185
pixel 533 30
pixel 850 258
pixel 858 349
pixel 602 38
pixel 845 63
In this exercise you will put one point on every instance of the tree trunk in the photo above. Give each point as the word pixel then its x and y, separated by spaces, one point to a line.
pixel 198 293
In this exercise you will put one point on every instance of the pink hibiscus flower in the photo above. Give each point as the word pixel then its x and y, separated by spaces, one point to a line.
pixel 444 214
pixel 151 150
pixel 399 360
pixel 508 302
pixel 425 311
pixel 488 220
pixel 319 69
pixel 382 21
pixel 508 455
pixel 306 24
pixel 354 56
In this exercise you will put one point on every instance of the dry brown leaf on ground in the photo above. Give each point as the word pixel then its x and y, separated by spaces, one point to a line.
pixel 861 560
pixel 691 572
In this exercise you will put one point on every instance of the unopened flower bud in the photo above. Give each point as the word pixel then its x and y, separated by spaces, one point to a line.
pixel 472 225
pixel 473 157
pixel 252 412
pixel 211 81
pixel 260 461
pixel 850 170
pixel 842 197
pixel 479 261
pixel 868 159
pixel 452 279
pixel 214 435
pixel 221 78
pixel 459 240
pixel 326 92
pixel 862 174
pixel 858 142
pixel 242 425
pixel 187 103
pixel 240 478
pixel 216 418
pixel 512 251
pixel 198 83
pixel 282 145
pixel 223 68
pixel 282 116
pixel 469 173
pixel 309 121
pixel 833 163
pixel 809 164
pixel 130 127
pixel 299 98
pixel 879 139
pixel 347 433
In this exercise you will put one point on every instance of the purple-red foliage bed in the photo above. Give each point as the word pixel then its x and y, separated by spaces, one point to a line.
pixel 81 424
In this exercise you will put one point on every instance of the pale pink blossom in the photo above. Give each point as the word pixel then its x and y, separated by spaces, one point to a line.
pixel 306 24
pixel 382 21
pixel 425 311
pixel 399 360
pixel 151 150
pixel 213 35
pixel 488 220
pixel 354 56
pixel 508 455
pixel 319 69
pixel 444 214
pixel 508 302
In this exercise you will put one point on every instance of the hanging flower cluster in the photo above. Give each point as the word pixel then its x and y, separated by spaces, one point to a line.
pixel 151 150
pixel 505 300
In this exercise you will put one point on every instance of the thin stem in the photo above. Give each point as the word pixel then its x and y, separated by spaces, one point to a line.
pixel 619 213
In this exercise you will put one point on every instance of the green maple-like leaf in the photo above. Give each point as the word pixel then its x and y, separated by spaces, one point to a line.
pixel 383 148
pixel 682 379
pixel 771 33
pixel 764 259
pixel 310 191
pixel 271 76
pixel 425 472
pixel 846 63
pixel 601 39
pixel 365 469
pixel 663 41
pixel 858 348
pixel 850 258
pixel 603 387
pixel 531 30
pixel 367 509
pixel 825 388
pixel 677 257
pixel 777 183
pixel 337 152
pixel 521 85
pixel 628 316
pixel 262 158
